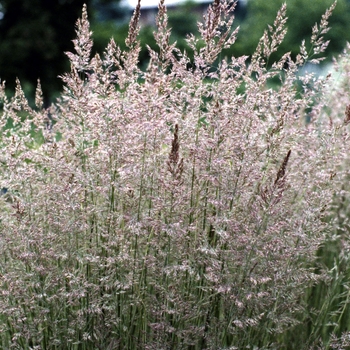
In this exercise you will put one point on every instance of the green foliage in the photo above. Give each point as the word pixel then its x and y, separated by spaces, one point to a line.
pixel 34 35
pixel 33 38
pixel 182 21
pixel 303 14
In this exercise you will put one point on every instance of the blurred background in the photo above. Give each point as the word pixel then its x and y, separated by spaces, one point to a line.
pixel 34 34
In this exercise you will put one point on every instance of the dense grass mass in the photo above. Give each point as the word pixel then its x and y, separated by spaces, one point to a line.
pixel 187 206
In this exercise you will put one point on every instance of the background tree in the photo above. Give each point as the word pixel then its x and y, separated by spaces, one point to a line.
pixel 182 20
pixel 303 15
pixel 34 34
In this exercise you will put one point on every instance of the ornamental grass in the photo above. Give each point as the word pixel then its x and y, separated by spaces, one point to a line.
pixel 186 206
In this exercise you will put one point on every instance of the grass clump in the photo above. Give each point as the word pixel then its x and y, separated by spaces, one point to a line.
pixel 180 207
